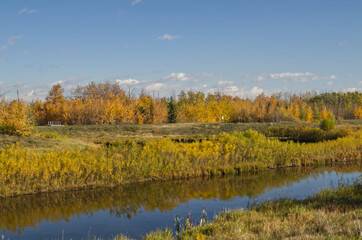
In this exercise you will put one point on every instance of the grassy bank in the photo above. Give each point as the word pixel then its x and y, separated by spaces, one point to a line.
pixel 29 171
pixel 332 214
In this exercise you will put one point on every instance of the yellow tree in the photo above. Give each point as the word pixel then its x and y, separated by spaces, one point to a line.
pixel 160 111
pixel 54 107
pixel 296 112
pixel 309 115
pixel 15 118
pixel 324 114
pixel 358 113
pixel 145 108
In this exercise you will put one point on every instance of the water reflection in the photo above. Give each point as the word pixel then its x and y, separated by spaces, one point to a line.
pixel 19 213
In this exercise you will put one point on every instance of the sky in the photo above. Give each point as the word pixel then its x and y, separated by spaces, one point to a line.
pixel 240 47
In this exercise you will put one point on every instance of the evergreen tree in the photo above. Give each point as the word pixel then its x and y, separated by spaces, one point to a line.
pixel 171 106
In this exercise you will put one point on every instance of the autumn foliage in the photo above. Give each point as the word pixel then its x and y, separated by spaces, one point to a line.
pixel 107 103
pixel 15 118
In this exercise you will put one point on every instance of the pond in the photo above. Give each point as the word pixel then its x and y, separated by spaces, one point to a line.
pixel 136 209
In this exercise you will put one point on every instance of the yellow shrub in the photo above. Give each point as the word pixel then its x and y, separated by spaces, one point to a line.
pixel 15 118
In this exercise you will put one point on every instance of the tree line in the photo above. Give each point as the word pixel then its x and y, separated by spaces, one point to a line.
pixel 108 103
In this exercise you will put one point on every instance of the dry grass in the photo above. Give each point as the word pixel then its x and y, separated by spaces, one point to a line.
pixel 89 136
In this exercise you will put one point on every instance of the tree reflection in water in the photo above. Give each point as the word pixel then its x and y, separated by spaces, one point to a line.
pixel 20 212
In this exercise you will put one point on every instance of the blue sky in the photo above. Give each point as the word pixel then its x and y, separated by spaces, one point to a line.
pixel 163 46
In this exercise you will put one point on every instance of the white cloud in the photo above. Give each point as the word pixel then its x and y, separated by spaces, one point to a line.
pixel 127 81
pixel 69 83
pixel 30 94
pixel 300 77
pixel 332 77
pixel 155 87
pixel 184 77
pixel 22 11
pixel 33 92
pixel 360 82
pixel 181 77
pixel 330 83
pixel 26 11
pixel 224 82
pixel 236 92
pixel 168 37
pixel 2 60
pixel 255 91
pixel 56 82
pixel 26 52
pixel 259 78
pixel 231 89
pixel 134 2
pixel 351 89
pixel 3 48
pixel 11 40
pixel 33 11
pixel 290 75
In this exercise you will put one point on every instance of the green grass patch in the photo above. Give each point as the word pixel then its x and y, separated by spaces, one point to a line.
pixel 307 134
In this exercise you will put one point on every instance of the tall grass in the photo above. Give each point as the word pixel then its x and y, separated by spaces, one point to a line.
pixel 27 171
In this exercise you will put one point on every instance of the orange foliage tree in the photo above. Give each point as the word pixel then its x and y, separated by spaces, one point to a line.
pixel 107 103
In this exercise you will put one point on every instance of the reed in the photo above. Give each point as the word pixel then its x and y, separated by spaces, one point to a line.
pixel 24 170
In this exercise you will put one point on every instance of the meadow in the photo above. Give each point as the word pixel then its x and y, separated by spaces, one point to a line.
pixel 26 170
pixel 46 138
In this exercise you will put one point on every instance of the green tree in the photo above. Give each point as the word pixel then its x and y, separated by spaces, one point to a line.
pixel 172 114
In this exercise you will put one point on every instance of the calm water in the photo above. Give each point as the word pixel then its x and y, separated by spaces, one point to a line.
pixel 137 209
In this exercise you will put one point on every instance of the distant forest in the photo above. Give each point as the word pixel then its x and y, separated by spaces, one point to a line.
pixel 108 103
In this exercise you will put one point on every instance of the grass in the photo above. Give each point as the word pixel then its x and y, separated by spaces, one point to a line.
pixel 91 136
pixel 29 171
pixel 70 157
pixel 331 214
pixel 307 134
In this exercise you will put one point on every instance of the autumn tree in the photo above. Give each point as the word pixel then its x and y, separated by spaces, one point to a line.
pixel 16 118
pixel 358 113
pixel 309 115
pixel 108 103
pixel 98 91
pixel 55 106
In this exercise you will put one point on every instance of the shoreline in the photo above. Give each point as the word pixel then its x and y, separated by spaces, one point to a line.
pixel 333 212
